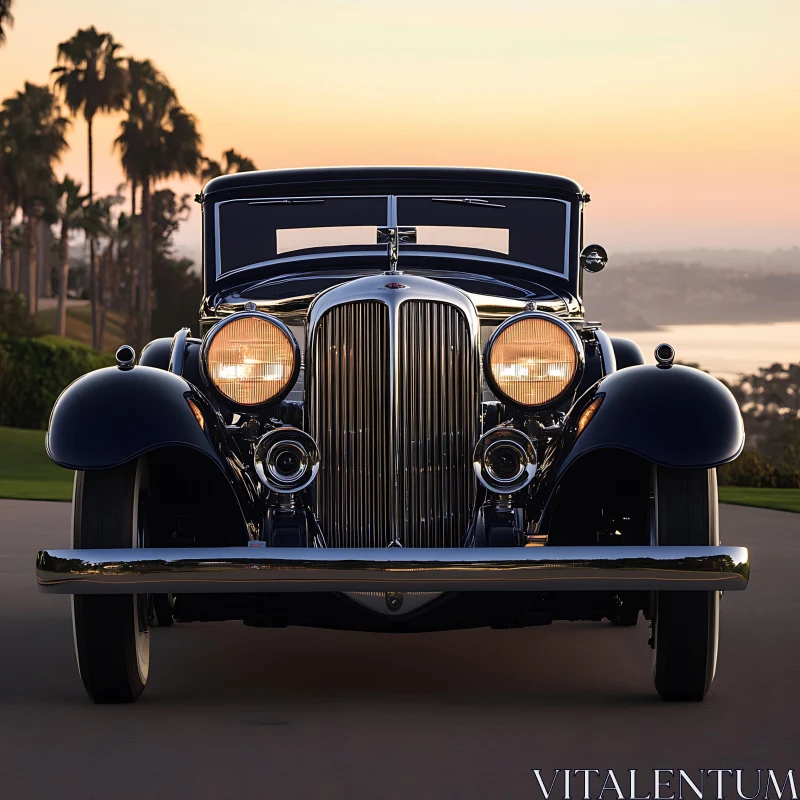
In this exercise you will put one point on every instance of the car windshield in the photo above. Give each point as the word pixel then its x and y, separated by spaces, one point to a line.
pixel 530 231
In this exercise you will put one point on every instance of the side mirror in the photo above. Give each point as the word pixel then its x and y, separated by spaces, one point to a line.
pixel 593 258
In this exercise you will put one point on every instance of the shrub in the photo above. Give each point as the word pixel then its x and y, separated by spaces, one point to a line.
pixel 34 371
pixel 14 317
pixel 751 470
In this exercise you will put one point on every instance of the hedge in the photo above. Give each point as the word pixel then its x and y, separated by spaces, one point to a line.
pixel 751 470
pixel 34 372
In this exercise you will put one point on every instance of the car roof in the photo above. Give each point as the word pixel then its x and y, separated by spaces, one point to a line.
pixel 393 180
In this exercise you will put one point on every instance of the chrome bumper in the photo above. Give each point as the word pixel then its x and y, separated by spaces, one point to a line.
pixel 251 569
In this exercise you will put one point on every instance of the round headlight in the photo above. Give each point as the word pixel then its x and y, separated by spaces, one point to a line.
pixel 251 359
pixel 533 358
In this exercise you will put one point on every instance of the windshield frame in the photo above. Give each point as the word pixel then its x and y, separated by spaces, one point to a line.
pixel 392 221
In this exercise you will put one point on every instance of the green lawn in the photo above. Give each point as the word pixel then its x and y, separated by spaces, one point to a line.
pixel 780 499
pixel 26 473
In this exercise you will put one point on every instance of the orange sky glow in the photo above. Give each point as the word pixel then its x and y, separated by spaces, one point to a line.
pixel 681 118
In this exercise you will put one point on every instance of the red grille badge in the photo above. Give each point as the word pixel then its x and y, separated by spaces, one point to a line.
pixel 395 286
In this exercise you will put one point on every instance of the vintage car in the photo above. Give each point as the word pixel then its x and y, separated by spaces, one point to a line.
pixel 397 417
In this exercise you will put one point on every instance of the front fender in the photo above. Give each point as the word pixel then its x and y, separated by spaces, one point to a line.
pixel 111 416
pixel 677 417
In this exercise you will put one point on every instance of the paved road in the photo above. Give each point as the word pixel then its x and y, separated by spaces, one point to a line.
pixel 240 712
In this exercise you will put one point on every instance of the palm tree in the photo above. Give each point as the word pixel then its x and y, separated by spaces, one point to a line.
pixel 6 19
pixel 141 76
pixel 70 209
pixel 158 139
pixel 231 162
pixel 7 208
pixel 16 241
pixel 37 130
pixel 9 195
pixel 101 224
pixel 93 79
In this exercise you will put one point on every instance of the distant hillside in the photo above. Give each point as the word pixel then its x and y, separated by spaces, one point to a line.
pixel 645 294
pixel 787 261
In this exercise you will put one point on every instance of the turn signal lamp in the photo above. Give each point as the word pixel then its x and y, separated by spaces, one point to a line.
pixel 586 417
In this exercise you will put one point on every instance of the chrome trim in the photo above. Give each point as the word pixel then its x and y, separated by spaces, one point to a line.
pixel 606 351
pixel 283 569
pixel 266 454
pixel 293 310
pixel 522 443
pixel 126 357
pixel 593 258
pixel 177 351
pixel 665 355
pixel 391 222
pixel 391 211
pixel 393 392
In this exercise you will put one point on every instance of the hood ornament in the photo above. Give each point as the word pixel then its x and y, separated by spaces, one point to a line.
pixel 393 237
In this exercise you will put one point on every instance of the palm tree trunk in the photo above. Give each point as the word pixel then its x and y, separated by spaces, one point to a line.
pixel 103 291
pixel 146 309
pixel 33 272
pixel 5 245
pixel 44 278
pixel 132 273
pixel 95 297
pixel 93 291
pixel 63 279
pixel 16 272
pixel 132 282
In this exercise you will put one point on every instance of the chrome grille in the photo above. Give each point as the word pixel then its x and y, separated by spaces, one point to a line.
pixel 350 419
pixel 437 417
pixel 395 424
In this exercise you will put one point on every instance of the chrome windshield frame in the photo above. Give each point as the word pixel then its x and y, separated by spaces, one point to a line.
pixel 391 221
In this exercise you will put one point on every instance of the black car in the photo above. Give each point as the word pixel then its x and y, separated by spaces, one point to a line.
pixel 397 417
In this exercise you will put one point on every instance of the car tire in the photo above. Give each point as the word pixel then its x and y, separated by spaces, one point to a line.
pixel 111 632
pixel 685 623
pixel 163 607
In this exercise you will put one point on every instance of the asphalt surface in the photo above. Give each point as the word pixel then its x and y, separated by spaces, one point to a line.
pixel 239 712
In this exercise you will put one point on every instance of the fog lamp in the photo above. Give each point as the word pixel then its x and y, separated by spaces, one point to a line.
pixel 286 460
pixel 504 460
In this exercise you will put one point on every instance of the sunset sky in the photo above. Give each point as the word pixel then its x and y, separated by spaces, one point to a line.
pixel 681 118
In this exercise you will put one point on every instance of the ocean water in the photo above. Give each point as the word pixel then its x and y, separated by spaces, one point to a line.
pixel 724 350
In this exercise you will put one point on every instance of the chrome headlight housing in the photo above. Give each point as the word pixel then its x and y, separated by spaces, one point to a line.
pixel 250 360
pixel 534 360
